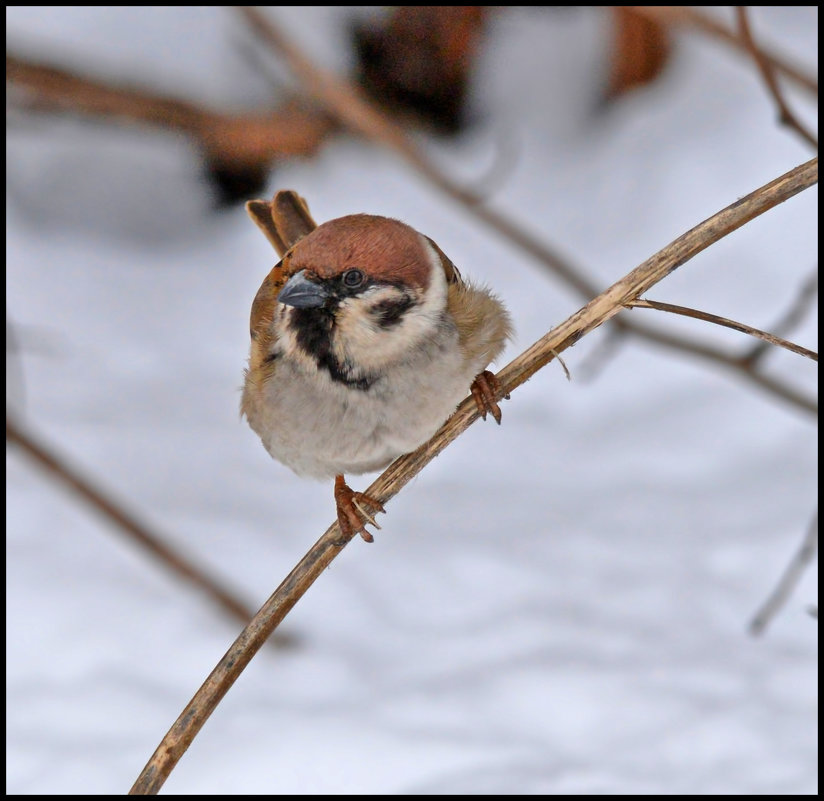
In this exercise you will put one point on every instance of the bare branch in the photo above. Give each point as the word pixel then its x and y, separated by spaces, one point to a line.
pixel 344 102
pixel 785 114
pixel 404 469
pixel 135 530
pixel 788 580
pixel 727 323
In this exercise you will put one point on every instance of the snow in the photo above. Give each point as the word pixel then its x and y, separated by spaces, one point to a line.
pixel 559 605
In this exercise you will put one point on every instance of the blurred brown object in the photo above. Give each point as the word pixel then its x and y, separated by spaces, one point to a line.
pixel 419 61
pixel 639 52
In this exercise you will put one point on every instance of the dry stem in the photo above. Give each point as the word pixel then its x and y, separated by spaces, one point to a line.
pixel 726 322
pixel 404 469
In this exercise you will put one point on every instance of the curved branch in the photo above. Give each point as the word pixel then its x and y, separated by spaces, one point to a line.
pixel 404 469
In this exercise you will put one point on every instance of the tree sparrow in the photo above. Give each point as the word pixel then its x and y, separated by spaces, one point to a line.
pixel 365 338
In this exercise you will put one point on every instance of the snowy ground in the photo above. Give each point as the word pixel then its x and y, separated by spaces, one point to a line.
pixel 556 606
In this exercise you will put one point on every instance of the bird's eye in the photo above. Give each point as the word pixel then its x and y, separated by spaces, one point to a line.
pixel 352 279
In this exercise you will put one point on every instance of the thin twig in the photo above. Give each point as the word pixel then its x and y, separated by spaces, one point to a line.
pixel 791 318
pixel 403 470
pixel 785 114
pixel 727 323
pixel 135 530
pixel 788 580
pixel 688 16
pixel 344 101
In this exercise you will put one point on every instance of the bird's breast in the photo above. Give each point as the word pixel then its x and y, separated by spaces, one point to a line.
pixel 321 427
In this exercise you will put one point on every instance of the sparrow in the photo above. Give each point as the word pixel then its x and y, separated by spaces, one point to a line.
pixel 365 338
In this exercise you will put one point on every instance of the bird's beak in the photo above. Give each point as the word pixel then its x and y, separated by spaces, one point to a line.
pixel 302 293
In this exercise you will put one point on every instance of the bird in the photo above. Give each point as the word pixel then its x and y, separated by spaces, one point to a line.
pixel 365 338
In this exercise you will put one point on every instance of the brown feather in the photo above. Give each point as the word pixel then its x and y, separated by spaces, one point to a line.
pixel 291 218
pixel 261 213
pixel 386 249
pixel 483 324
pixel 284 220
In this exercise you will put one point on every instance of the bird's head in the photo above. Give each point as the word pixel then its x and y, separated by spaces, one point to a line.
pixel 364 291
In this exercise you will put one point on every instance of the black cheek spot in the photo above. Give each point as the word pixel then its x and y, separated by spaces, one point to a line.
pixel 389 313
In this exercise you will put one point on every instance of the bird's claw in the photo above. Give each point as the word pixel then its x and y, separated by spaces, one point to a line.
pixel 484 389
pixel 354 511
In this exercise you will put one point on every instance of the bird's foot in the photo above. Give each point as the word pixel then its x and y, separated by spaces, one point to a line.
pixel 355 510
pixel 484 389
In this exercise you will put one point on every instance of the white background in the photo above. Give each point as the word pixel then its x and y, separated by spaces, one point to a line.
pixel 558 605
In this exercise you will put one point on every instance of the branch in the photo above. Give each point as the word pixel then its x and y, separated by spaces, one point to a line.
pixel 785 115
pixel 404 469
pixel 727 323
pixel 788 580
pixel 145 538
pixel 344 102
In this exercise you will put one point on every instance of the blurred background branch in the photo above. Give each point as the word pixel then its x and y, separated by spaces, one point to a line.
pixel 799 562
pixel 137 532
pixel 767 69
